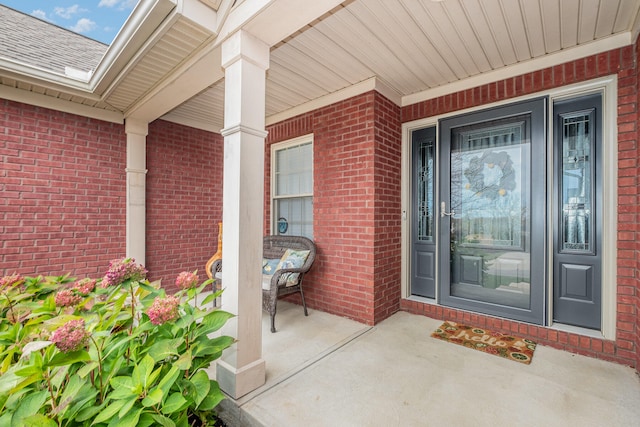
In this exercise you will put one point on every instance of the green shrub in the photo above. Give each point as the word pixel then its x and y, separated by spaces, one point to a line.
pixel 116 351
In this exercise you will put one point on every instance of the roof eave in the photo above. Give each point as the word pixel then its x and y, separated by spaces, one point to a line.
pixel 141 24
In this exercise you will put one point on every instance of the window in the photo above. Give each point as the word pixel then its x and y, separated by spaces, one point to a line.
pixel 292 187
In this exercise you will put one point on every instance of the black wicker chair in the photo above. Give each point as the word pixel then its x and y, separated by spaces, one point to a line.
pixel 277 285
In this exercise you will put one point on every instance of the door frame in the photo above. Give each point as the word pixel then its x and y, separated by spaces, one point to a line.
pixel 608 86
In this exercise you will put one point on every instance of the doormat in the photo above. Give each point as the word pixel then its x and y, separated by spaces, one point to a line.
pixel 507 346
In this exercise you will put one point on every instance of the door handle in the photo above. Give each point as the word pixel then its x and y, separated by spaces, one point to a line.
pixel 443 212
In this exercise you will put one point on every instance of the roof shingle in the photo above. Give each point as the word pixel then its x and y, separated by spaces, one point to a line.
pixel 34 42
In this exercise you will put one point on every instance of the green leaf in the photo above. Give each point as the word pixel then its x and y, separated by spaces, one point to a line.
pixel 87 368
pixel 86 399
pixel 201 382
pixel 88 413
pixel 142 371
pixel 165 348
pixel 38 420
pixel 120 343
pixel 29 370
pixel 121 382
pixel 209 298
pixel 127 407
pixel 154 376
pixel 109 412
pixel 153 398
pixel 123 388
pixel 8 381
pixel 71 392
pixel 26 382
pixel 216 319
pixel 69 358
pixel 131 420
pixel 146 420
pixel 184 361
pixel 59 375
pixel 163 421
pixel 210 347
pixel 174 403
pixel 167 381
pixel 214 397
pixel 5 419
pixel 29 405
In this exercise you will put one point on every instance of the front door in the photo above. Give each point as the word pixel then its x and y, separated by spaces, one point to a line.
pixel 492 211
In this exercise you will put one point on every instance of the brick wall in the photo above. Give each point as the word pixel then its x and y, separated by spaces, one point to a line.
pixel 184 199
pixel 623 63
pixel 356 205
pixel 634 182
pixel 386 255
pixel 63 185
pixel 62 182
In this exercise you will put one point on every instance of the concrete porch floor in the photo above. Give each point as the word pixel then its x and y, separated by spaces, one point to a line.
pixel 323 370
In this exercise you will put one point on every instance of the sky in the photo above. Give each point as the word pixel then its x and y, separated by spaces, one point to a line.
pixel 97 19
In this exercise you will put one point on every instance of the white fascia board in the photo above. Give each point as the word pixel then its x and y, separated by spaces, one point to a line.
pixel 568 55
pixel 39 100
pixel 42 77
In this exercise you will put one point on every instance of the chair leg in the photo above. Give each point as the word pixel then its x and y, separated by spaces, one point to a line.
pixel 273 322
pixel 304 304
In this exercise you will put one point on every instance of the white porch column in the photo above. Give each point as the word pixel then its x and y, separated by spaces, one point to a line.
pixel 245 59
pixel 136 187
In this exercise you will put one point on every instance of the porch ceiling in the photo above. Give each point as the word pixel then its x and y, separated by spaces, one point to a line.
pixel 165 62
pixel 414 46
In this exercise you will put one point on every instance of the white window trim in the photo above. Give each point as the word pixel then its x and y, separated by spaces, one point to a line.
pixel 272 190
pixel 608 87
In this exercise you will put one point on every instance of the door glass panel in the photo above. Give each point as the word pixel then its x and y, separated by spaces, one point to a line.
pixel 425 191
pixel 490 227
pixel 576 189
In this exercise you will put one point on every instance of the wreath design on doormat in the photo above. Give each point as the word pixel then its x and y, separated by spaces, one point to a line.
pixel 491 190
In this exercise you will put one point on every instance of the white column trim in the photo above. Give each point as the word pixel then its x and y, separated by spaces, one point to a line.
pixel 261 133
pixel 136 189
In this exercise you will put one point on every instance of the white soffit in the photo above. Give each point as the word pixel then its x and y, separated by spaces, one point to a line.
pixel 421 50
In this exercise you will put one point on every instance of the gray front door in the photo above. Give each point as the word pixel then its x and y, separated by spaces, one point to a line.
pixel 492 211
pixel 577 224
pixel 423 255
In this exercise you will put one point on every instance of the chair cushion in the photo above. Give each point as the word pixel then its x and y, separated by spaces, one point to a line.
pixel 266 281
pixel 269 266
pixel 292 258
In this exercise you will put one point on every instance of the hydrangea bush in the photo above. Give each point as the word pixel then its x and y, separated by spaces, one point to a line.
pixel 116 351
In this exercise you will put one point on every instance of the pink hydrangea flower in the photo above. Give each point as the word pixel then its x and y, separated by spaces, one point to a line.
pixel 187 280
pixel 10 280
pixel 67 298
pixel 72 336
pixel 163 310
pixel 121 270
pixel 85 286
